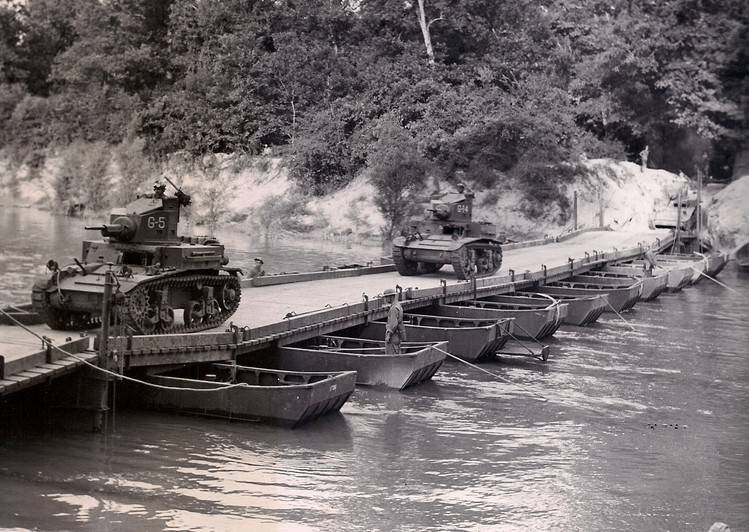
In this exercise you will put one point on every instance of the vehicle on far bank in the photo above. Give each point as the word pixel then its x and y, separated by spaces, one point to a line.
pixel 448 235
pixel 162 282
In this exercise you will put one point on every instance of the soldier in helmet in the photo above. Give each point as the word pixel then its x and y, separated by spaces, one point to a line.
pixel 650 260
pixel 395 331
pixel 257 269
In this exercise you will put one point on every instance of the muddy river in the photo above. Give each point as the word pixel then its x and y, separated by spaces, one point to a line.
pixel 643 430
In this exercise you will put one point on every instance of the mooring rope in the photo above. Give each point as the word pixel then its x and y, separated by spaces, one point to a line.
pixel 716 281
pixel 496 376
pixel 118 375
pixel 526 332
pixel 620 316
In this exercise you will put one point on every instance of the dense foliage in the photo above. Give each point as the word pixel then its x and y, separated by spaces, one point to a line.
pixel 501 89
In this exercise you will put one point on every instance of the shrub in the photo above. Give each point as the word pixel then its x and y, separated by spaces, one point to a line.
pixel 397 172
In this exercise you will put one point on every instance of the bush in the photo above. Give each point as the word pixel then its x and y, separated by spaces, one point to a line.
pixel 281 213
pixel 544 184
pixel 397 172
pixel 323 157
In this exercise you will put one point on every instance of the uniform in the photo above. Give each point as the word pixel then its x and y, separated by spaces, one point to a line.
pixel 395 331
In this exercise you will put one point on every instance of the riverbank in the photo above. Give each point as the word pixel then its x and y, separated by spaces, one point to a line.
pixel 257 196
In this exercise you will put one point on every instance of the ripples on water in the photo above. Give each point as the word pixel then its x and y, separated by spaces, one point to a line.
pixel 462 452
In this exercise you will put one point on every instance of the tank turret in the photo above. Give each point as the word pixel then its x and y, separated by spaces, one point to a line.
pixel 448 235
pixel 157 272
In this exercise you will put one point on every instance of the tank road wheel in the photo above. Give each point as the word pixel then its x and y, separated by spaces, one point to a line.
pixel 430 267
pixel 150 320
pixel 194 313
pixel 166 322
pixel 212 309
pixel 402 264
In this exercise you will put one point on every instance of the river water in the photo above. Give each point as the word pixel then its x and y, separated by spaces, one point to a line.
pixel 643 430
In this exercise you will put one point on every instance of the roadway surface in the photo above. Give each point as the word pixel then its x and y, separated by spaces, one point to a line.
pixel 269 304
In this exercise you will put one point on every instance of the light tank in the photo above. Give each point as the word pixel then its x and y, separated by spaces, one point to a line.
pixel 164 283
pixel 449 235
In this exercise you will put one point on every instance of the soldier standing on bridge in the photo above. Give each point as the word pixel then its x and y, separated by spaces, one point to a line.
pixel 644 158
pixel 395 331
pixel 257 270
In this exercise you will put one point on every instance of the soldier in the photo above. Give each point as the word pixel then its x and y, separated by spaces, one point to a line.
pixel 395 331
pixel 650 260
pixel 644 158
pixel 257 270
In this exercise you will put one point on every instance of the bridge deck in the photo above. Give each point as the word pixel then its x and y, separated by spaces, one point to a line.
pixel 268 304
pixel 263 308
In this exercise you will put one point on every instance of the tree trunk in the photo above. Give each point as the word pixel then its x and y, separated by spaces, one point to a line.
pixel 425 31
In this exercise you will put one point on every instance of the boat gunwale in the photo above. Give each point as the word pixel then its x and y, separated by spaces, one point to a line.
pixel 330 375
pixel 423 347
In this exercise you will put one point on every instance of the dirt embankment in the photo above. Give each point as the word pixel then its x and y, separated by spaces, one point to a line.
pixel 257 196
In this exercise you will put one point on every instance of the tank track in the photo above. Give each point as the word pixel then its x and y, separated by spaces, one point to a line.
pixel 135 306
pixel 404 266
pixel 463 262
pixel 60 319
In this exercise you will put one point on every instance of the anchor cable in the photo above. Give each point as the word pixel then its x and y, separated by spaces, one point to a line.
pixel 620 316
pixel 496 376
pixel 715 280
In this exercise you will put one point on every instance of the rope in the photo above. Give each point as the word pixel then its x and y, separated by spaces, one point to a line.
pixel 514 323
pixel 117 375
pixel 474 366
pixel 530 351
pixel 716 281
pixel 620 316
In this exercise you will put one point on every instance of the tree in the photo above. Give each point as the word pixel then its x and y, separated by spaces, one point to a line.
pixel 397 171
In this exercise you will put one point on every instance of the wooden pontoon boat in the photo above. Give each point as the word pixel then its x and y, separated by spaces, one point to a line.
pixel 697 263
pixel 679 274
pixel 536 315
pixel 653 285
pixel 471 339
pixel 416 363
pixel 622 295
pixel 581 309
pixel 287 398
pixel 716 261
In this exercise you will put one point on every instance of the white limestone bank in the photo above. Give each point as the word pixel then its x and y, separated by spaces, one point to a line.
pixel 728 214
pixel 257 196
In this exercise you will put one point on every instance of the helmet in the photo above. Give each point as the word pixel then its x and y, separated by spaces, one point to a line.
pixel 389 292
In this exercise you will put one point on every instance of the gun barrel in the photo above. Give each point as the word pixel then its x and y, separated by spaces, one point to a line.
pixel 108 229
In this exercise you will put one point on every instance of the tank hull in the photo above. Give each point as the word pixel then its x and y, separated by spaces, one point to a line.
pixel 479 257
pixel 190 291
